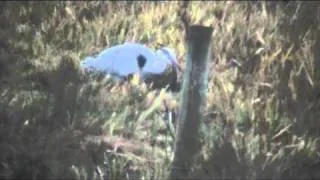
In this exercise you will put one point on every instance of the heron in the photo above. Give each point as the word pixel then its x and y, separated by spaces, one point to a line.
pixel 159 68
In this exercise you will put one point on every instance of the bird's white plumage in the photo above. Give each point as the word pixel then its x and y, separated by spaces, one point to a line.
pixel 122 59
pixel 169 54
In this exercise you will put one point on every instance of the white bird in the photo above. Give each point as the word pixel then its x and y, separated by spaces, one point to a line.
pixel 129 58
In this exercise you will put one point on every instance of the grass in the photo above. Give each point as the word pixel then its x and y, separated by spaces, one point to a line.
pixel 260 121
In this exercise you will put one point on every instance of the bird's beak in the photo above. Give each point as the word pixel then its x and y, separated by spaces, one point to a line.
pixel 179 67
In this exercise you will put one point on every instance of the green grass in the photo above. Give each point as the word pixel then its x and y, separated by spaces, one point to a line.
pixel 261 120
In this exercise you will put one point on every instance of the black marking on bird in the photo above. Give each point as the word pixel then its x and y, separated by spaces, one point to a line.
pixel 141 61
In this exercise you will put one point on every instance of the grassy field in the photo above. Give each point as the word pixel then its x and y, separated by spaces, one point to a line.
pixel 261 118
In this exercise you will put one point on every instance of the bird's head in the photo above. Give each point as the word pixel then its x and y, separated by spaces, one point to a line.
pixel 171 56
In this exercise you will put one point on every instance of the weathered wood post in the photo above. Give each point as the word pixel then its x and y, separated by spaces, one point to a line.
pixel 192 100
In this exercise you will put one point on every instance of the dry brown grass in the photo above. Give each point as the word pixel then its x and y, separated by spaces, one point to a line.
pixel 261 120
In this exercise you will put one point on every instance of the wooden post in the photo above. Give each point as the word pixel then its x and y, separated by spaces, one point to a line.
pixel 192 101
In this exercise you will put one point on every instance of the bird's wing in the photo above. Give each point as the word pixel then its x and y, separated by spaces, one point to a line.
pixel 118 59
pixel 122 59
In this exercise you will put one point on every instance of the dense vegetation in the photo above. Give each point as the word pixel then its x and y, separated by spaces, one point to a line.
pixel 261 118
